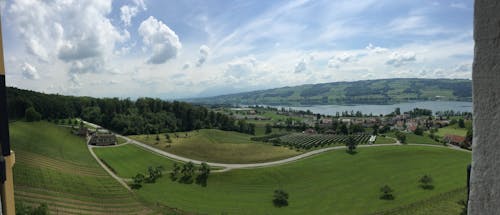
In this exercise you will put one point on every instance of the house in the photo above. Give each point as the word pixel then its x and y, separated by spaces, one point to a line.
pixel 81 131
pixel 102 139
pixel 454 139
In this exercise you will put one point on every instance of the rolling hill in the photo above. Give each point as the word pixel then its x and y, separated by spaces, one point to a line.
pixel 383 91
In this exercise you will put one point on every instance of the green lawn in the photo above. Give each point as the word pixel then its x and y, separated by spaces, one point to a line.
pixel 331 183
pixel 217 146
pixel 384 140
pixel 453 130
pixel 128 160
pixel 55 167
pixel 412 138
pixel 120 140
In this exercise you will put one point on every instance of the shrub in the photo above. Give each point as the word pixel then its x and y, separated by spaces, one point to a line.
pixel 426 182
pixel 386 193
pixel 280 198
pixel 32 115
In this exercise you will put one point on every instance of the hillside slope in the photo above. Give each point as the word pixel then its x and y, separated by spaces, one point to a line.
pixel 55 167
pixel 383 91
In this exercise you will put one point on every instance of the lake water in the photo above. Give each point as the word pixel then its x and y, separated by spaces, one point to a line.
pixel 386 109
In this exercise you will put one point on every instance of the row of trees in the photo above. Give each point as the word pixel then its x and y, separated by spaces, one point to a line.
pixel 153 173
pixel 125 116
pixel 185 173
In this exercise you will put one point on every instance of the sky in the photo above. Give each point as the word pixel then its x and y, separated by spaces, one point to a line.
pixel 197 48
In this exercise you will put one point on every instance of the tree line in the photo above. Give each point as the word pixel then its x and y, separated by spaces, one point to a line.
pixel 125 116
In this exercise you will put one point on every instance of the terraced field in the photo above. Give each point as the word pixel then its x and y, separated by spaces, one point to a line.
pixel 308 141
pixel 55 167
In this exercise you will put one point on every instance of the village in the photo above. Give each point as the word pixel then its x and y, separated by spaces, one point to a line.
pixel 446 127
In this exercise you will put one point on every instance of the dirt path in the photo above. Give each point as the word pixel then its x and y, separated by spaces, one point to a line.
pixel 120 180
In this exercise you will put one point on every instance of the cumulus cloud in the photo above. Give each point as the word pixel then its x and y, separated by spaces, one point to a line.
pixel 398 59
pixel 186 66
pixel 162 40
pixel 301 66
pixel 80 34
pixel 29 72
pixel 376 49
pixel 338 60
pixel 241 67
pixel 127 12
pixel 458 5
pixel 204 52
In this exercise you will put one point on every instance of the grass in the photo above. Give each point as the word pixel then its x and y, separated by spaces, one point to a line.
pixel 412 138
pixel 128 160
pixel 384 140
pixel 55 167
pixel 333 182
pixel 217 146
pixel 120 140
pixel 453 130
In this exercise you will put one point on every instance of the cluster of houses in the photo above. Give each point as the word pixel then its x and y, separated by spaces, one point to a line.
pixel 97 137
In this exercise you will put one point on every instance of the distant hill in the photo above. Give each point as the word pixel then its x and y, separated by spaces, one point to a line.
pixel 383 91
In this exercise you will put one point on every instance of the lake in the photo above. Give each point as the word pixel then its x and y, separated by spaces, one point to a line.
pixel 386 109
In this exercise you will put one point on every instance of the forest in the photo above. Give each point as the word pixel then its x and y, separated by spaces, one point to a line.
pixel 125 116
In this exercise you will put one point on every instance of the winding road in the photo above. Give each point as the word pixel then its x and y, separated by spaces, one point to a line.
pixel 253 165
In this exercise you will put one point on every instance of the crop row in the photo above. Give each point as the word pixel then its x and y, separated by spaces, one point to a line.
pixel 307 141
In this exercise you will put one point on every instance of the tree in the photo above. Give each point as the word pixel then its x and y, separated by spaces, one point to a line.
pixel 157 138
pixel 351 144
pixel 426 182
pixel 461 123
pixel 375 129
pixel 280 198
pixel 204 171
pixel 32 115
pixel 419 131
pixel 343 129
pixel 386 193
pixel 187 172
pixel 137 181
pixel 175 172
pixel 397 111
pixel 401 136
pixel 269 128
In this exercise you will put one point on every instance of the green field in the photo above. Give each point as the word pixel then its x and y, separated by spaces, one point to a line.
pixel 55 167
pixel 453 130
pixel 412 138
pixel 128 160
pixel 217 146
pixel 331 183
pixel 384 140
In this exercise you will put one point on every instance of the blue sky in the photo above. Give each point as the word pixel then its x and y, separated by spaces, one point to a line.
pixel 179 49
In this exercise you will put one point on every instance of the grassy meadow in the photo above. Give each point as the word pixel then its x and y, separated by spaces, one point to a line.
pixel 217 146
pixel 333 182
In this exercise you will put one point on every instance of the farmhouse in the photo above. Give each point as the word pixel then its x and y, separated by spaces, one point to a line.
pixel 102 139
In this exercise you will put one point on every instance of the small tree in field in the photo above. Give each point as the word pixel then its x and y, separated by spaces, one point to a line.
pixel 386 193
pixel 269 128
pixel 351 144
pixel 280 198
pixel 426 182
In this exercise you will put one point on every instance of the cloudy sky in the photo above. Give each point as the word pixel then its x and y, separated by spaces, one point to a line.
pixel 179 49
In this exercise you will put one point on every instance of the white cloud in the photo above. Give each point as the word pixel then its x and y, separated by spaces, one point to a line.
pixel 458 5
pixel 301 66
pixel 127 12
pixel 338 60
pixel 241 67
pixel 397 59
pixel 376 49
pixel 186 66
pixel 29 72
pixel 162 40
pixel 204 52
pixel 80 34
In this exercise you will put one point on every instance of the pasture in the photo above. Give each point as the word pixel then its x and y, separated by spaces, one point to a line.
pixel 214 145
pixel 332 182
